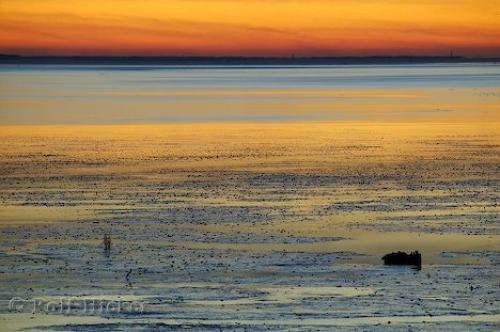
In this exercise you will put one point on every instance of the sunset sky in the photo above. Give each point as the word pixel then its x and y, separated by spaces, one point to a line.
pixel 250 27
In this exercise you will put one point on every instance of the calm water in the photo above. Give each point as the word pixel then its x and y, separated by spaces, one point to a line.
pixel 138 94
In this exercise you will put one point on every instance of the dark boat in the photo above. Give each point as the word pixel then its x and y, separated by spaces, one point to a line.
pixel 402 258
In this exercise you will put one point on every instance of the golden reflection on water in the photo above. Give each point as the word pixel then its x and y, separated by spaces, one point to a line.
pixel 381 187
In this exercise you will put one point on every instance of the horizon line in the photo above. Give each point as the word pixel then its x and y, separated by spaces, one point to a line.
pixel 291 56
pixel 235 60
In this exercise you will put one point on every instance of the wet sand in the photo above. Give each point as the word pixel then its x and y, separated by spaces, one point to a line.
pixel 251 225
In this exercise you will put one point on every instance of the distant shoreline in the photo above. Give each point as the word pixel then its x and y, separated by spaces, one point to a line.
pixel 235 61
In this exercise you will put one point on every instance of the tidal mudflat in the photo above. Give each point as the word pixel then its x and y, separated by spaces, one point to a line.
pixel 249 226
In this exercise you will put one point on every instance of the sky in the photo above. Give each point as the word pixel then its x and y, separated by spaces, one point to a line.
pixel 250 27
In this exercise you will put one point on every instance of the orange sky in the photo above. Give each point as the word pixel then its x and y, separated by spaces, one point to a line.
pixel 250 27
